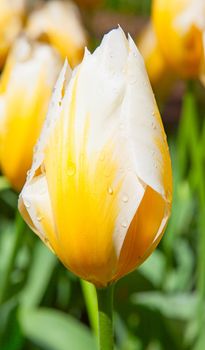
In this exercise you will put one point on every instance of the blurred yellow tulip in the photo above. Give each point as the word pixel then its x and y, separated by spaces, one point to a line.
pixel 25 89
pixel 11 18
pixel 100 188
pixel 59 24
pixel 179 27
pixel 160 75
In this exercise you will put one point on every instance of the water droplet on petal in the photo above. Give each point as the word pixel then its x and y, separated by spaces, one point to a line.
pixel 39 218
pixel 27 204
pixel 110 190
pixel 71 169
pixel 125 198
pixel 124 224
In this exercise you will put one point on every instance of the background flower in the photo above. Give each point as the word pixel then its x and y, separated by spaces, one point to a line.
pixel 25 89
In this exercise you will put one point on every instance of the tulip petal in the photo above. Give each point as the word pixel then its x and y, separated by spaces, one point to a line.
pixel 35 207
pixel 35 192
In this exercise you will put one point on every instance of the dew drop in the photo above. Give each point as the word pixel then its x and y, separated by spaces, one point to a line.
pixel 27 204
pixel 71 169
pixel 154 126
pixel 125 198
pixel 110 190
pixel 124 224
pixel 39 218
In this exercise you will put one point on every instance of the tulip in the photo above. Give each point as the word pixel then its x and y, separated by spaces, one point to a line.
pixel 160 75
pixel 179 27
pixel 25 88
pixel 100 187
pixel 59 24
pixel 11 18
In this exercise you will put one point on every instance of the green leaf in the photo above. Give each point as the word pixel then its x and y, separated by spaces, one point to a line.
pixel 4 183
pixel 153 268
pixel 55 330
pixel 179 306
pixel 39 275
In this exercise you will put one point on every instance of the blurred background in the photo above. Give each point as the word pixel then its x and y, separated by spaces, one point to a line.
pixel 43 306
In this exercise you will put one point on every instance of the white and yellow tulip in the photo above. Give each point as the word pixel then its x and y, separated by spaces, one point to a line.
pixel 99 191
pixel 59 23
pixel 26 85
pixel 180 26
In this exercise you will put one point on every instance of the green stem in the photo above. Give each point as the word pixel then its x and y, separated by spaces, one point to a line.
pixel 5 278
pixel 105 317
pixel 90 298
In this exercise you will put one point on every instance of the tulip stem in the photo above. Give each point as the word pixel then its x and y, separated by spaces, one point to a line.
pixel 90 298
pixel 16 239
pixel 105 318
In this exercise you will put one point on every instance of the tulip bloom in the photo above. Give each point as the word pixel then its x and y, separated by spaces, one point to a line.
pixel 59 24
pixel 179 27
pixel 11 17
pixel 100 187
pixel 25 89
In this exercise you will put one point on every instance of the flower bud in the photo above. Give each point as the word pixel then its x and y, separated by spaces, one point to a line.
pixel 100 187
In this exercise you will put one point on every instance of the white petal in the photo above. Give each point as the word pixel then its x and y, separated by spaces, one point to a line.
pixel 35 206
